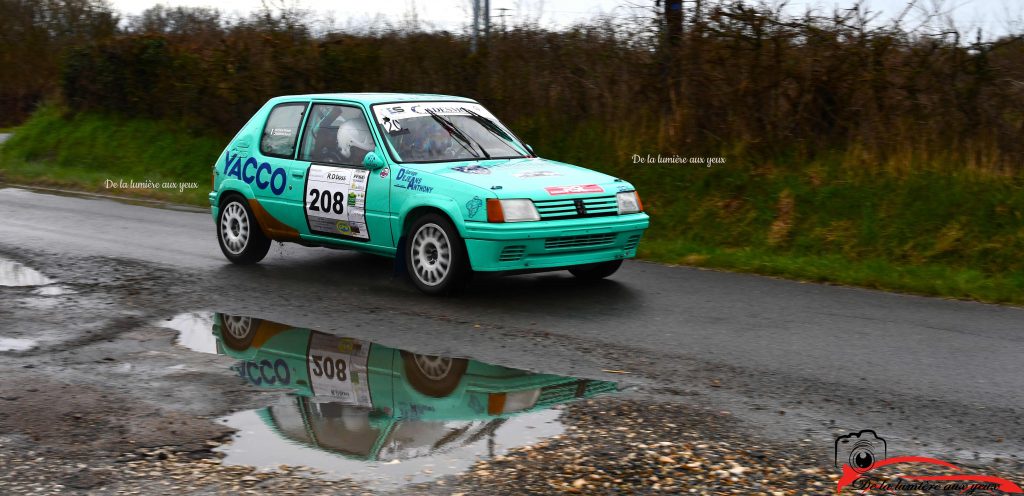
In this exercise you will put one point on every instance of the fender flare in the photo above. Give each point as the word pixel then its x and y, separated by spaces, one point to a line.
pixel 442 203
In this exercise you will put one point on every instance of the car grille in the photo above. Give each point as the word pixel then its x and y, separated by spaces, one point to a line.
pixel 584 240
pixel 512 253
pixel 576 208
pixel 632 242
pixel 568 391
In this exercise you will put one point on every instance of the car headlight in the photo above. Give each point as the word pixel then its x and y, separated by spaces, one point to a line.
pixel 629 202
pixel 499 403
pixel 518 210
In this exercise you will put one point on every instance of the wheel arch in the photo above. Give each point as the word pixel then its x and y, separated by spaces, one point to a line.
pixel 418 206
pixel 228 190
pixel 269 225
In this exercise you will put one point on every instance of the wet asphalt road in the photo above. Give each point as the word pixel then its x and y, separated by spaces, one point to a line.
pixel 792 361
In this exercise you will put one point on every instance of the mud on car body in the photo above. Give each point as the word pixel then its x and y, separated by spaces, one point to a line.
pixel 434 180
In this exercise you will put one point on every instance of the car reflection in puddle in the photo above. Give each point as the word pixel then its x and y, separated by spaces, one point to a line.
pixel 376 414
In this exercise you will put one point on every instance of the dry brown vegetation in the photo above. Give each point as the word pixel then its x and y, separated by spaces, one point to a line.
pixel 741 79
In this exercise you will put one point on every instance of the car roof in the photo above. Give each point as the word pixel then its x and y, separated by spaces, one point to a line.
pixel 372 98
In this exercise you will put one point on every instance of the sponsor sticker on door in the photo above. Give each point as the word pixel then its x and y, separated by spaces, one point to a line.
pixel 336 201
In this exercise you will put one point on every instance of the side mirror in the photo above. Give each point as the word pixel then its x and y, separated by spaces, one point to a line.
pixel 373 161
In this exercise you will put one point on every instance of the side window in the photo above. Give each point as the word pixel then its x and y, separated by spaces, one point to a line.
pixel 336 134
pixel 281 130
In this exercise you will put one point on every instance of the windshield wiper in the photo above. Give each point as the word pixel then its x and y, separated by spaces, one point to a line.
pixel 494 129
pixel 458 134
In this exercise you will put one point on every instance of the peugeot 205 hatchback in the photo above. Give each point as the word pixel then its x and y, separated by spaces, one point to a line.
pixel 434 180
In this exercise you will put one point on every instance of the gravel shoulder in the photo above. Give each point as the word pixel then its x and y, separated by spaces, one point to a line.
pixel 612 446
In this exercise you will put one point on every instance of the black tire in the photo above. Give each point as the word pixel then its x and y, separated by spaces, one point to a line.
pixel 432 375
pixel 238 233
pixel 593 272
pixel 435 255
pixel 237 332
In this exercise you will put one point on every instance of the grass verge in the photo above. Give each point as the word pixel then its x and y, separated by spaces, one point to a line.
pixel 925 279
pixel 99 153
pixel 925 230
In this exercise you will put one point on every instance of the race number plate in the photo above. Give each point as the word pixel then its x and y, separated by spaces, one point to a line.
pixel 337 369
pixel 336 201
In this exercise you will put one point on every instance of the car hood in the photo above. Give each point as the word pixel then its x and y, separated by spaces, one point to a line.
pixel 534 178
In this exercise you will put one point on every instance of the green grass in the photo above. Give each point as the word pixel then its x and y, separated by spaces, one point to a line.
pixel 84 151
pixel 924 279
pixel 935 230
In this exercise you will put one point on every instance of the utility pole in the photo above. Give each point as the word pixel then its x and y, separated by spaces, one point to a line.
pixel 476 26
pixel 487 19
pixel 673 19
pixel 481 22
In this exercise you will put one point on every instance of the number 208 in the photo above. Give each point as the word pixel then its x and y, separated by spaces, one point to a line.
pixel 326 202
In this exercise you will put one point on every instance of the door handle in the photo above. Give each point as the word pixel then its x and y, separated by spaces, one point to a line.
pixel 298 174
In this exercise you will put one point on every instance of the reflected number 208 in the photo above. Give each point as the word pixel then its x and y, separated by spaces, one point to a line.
pixel 329 367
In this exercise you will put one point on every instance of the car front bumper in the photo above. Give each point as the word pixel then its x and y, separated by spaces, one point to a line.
pixel 553 244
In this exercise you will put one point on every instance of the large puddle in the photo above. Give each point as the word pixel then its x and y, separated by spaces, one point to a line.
pixel 375 414
pixel 195 331
pixel 16 274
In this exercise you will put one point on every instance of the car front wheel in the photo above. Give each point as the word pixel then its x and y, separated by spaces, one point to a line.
pixel 436 256
pixel 238 234
pixel 434 376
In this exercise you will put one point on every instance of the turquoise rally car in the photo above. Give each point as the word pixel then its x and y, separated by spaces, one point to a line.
pixel 434 180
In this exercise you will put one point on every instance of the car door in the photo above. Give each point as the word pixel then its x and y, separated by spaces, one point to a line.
pixel 276 177
pixel 342 199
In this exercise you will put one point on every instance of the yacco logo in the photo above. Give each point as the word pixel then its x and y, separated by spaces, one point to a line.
pixel 262 174
pixel 265 372
pixel 571 190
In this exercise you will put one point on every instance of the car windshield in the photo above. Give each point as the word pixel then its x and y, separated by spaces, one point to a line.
pixel 445 131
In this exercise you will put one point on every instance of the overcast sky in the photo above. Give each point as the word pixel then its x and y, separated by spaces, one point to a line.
pixel 994 16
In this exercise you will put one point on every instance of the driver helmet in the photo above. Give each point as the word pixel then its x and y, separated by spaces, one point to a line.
pixel 354 133
pixel 438 141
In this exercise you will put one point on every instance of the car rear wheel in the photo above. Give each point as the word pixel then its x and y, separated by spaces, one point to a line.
pixel 432 375
pixel 239 235
pixel 593 272
pixel 436 256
